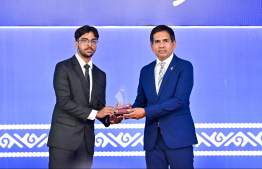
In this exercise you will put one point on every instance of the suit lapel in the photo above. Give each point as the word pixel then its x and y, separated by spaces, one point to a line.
pixel 151 81
pixel 95 83
pixel 170 70
pixel 80 74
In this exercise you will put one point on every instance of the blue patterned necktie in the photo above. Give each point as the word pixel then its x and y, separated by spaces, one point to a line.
pixel 87 81
pixel 161 73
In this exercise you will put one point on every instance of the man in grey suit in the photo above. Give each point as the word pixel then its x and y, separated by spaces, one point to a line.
pixel 80 89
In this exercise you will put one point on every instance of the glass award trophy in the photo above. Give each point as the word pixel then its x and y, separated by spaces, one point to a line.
pixel 121 97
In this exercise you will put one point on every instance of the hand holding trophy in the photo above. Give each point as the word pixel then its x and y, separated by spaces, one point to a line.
pixel 122 106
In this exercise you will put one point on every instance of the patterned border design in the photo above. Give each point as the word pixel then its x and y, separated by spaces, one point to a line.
pixel 134 126
pixel 137 153
pixel 228 125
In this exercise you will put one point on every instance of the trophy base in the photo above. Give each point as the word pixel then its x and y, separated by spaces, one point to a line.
pixel 122 111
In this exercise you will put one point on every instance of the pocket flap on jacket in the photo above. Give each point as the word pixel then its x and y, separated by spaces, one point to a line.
pixel 66 120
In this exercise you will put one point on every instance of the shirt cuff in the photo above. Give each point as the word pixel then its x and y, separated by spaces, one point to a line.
pixel 92 115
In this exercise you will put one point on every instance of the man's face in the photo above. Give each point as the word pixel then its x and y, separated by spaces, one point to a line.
pixel 86 49
pixel 162 45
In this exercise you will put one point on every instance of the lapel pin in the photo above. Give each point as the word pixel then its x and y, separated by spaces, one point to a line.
pixel 171 68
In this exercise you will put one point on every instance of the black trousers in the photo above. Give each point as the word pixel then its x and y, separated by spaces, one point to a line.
pixel 68 159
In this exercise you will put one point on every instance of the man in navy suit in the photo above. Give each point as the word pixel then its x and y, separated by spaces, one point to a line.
pixel 163 95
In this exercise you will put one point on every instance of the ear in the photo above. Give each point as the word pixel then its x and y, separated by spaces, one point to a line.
pixel 152 48
pixel 174 45
pixel 76 44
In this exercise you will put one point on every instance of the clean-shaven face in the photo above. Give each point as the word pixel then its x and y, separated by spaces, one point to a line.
pixel 162 45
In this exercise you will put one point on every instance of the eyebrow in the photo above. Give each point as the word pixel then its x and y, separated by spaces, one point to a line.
pixel 160 39
pixel 91 39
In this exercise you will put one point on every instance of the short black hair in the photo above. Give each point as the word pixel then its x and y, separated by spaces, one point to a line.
pixel 85 29
pixel 160 28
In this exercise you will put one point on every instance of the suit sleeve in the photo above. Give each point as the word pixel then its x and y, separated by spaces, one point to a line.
pixel 64 96
pixel 141 100
pixel 102 103
pixel 180 98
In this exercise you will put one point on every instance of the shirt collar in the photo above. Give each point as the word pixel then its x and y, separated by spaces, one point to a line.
pixel 167 61
pixel 82 62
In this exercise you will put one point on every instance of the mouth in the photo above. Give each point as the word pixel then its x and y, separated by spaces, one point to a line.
pixel 89 50
pixel 162 51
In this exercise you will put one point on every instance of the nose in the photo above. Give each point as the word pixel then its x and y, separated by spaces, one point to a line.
pixel 89 43
pixel 161 44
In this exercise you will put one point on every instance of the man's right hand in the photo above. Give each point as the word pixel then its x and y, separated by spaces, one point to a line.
pixel 108 110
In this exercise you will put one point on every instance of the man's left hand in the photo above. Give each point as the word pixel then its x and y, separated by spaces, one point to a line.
pixel 136 113
pixel 115 120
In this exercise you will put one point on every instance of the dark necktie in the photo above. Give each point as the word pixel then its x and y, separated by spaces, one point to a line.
pixel 87 81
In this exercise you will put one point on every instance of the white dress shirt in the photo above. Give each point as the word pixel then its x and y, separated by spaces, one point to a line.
pixel 82 63
pixel 157 69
